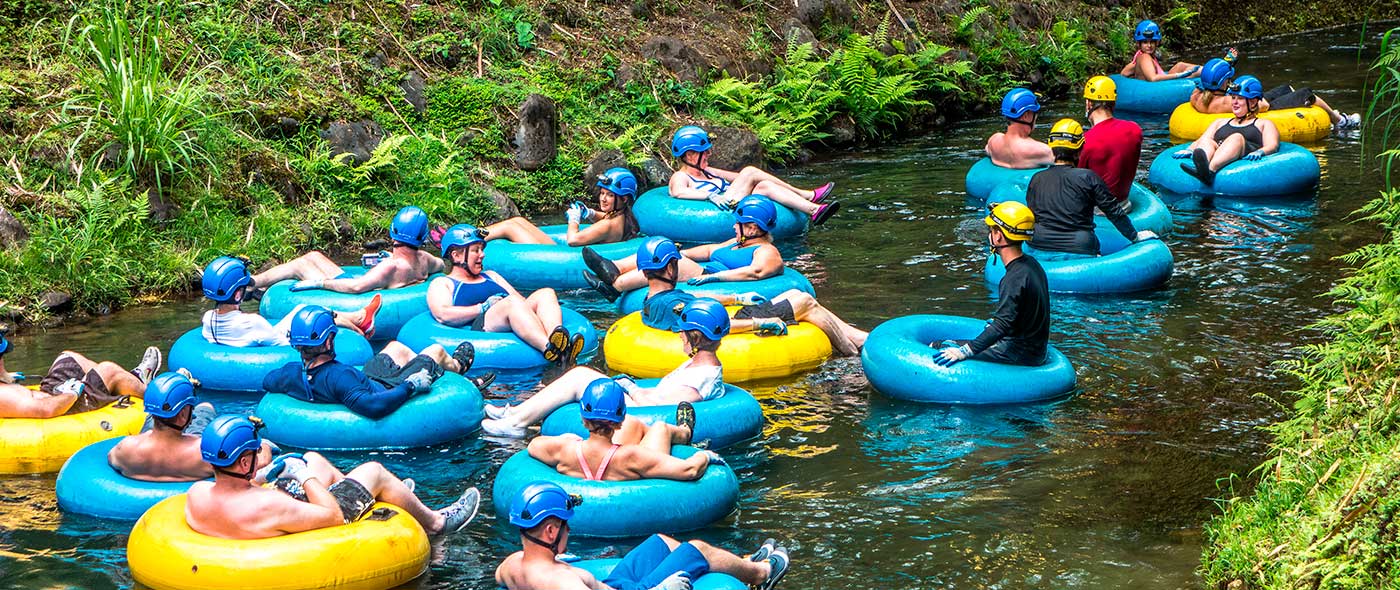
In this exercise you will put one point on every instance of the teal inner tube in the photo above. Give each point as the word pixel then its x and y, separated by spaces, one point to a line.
pixel 600 568
pixel 88 485
pixel 724 421
pixel 452 409
pixel 899 363
pixel 495 350
pixel 559 266
pixel 1161 97
pixel 399 305
pixel 638 508
pixel 1148 213
pixel 770 287
pixel 1293 170
pixel 701 222
pixel 1135 267
pixel 984 176
pixel 231 368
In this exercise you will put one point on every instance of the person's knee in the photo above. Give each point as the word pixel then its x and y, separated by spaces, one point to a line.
pixel 700 546
pixel 434 350
pixel 750 172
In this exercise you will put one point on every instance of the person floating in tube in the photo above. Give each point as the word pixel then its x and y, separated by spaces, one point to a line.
pixel 1014 148
pixel 612 221
pixel 696 180
pixel 405 265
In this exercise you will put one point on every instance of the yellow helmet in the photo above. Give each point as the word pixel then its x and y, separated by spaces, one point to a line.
pixel 1014 219
pixel 1067 133
pixel 1101 89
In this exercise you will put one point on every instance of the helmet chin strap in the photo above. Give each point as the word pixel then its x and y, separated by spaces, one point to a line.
pixel 1020 122
pixel 552 547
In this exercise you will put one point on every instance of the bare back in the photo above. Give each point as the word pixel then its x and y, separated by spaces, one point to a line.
pixel 516 574
pixel 153 456
pixel 244 511
pixel 405 271
pixel 1018 152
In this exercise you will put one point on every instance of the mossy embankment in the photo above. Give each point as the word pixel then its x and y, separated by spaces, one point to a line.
pixel 144 137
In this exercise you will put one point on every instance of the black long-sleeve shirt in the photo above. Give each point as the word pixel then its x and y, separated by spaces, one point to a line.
pixel 337 383
pixel 1022 316
pixel 1063 198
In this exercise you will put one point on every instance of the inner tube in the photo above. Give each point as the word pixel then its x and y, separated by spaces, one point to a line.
pixel 1299 125
pixel 42 445
pixel 452 409
pixel 1135 267
pixel 1141 96
pixel 88 485
pixel 558 266
pixel 770 287
pixel 724 421
pixel 1292 170
pixel 384 549
pixel 1148 213
pixel 899 363
pixel 638 508
pixel 495 350
pixel 398 305
pixel 984 176
pixel 639 350
pixel 701 222
pixel 600 568
pixel 230 368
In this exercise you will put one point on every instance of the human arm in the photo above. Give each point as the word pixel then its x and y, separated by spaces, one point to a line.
pixel 367 398
pixel 378 277
pixel 546 449
pixel 767 262
pixel 649 464
pixel 702 252
pixel 289 379
pixel 680 188
pixel 1112 208
pixel 319 511
pixel 1270 133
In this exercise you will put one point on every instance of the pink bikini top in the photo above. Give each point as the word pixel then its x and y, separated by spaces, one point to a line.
pixel 583 463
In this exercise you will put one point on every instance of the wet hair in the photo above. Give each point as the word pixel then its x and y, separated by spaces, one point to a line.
pixel 603 427
pixel 623 206
pixel 1066 154
pixel 699 342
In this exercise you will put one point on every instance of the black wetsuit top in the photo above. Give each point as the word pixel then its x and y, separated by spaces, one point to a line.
pixel 1063 198
pixel 1253 137
pixel 1019 331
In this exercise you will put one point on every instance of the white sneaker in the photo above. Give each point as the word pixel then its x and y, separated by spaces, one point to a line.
pixel 502 429
pixel 461 512
pixel 1352 121
pixel 73 386
pixel 496 412
pixel 149 365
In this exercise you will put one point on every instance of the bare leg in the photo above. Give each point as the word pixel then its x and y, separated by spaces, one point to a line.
pixel 518 230
pixel 686 269
pixel 564 390
pixel 546 306
pixel 788 198
pixel 1332 113
pixel 440 356
pixel 120 381
pixel 1230 150
pixel 322 469
pixel 1180 67
pixel 660 436
pixel 312 265
pixel 386 487
pixel 725 562
pixel 518 316
pixel 399 353
pixel 18 401
pixel 845 338
pixel 626 264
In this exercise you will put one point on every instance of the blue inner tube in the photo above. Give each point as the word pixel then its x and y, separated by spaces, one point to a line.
pixel 984 176
pixel 729 419
pixel 770 287
pixel 701 222
pixel 398 304
pixel 494 350
pixel 88 485
pixel 451 410
pixel 559 266
pixel 1141 96
pixel 628 508
pixel 600 568
pixel 1149 213
pixel 230 368
pixel 899 363
pixel 1290 171
pixel 1135 267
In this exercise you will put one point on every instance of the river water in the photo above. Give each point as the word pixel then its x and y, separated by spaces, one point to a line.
pixel 1107 489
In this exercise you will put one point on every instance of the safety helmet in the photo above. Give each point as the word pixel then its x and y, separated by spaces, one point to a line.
pixel 689 139
pixel 1101 89
pixel 1246 86
pixel 619 181
pixel 758 210
pixel 541 500
pixel 605 400
pixel 167 394
pixel 1018 102
pixel 1015 219
pixel 4 344
pixel 223 277
pixel 227 438
pixel 1215 74
pixel 410 226
pixel 706 316
pixel 461 234
pixel 656 253
pixel 1067 133
pixel 311 326
pixel 1147 31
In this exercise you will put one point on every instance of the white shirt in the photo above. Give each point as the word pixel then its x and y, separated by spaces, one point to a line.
pixel 706 379
pixel 244 329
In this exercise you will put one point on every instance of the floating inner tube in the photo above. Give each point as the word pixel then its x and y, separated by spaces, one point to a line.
pixel 701 222
pixel 1141 96
pixel 42 445
pixel 1293 170
pixel 1148 213
pixel 639 350
pixel 231 368
pixel 1300 125
pixel 724 421
pixel 600 568
pixel 1133 267
pixel 87 484
pixel 770 287
pixel 495 350
pixel 397 305
pixel 452 409
pixel 984 176
pixel 558 266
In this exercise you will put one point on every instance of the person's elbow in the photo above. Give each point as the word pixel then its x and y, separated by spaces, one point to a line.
pixel 577 239
pixel 354 288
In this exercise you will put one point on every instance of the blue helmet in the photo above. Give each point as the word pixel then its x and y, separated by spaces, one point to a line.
pixel 223 277
pixel 4 344
pixel 167 394
pixel 461 234
pixel 1018 102
pixel 1147 31
pixel 227 438
pixel 1215 74
pixel 1246 87
pixel 605 400
pixel 656 253
pixel 706 316
pixel 541 500
pixel 311 326
pixel 619 181
pixel 410 226
pixel 689 139
pixel 758 210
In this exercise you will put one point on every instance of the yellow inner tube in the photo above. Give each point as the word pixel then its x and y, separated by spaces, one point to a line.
pixel 1300 125
pixel 372 553
pixel 639 350
pixel 42 445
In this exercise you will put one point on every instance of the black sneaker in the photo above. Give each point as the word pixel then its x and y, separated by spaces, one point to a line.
pixel 602 267
pixel 575 348
pixel 605 289
pixel 764 550
pixel 778 561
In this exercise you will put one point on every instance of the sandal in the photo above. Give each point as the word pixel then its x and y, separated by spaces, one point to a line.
pixel 465 355
pixel 557 346
pixel 685 418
